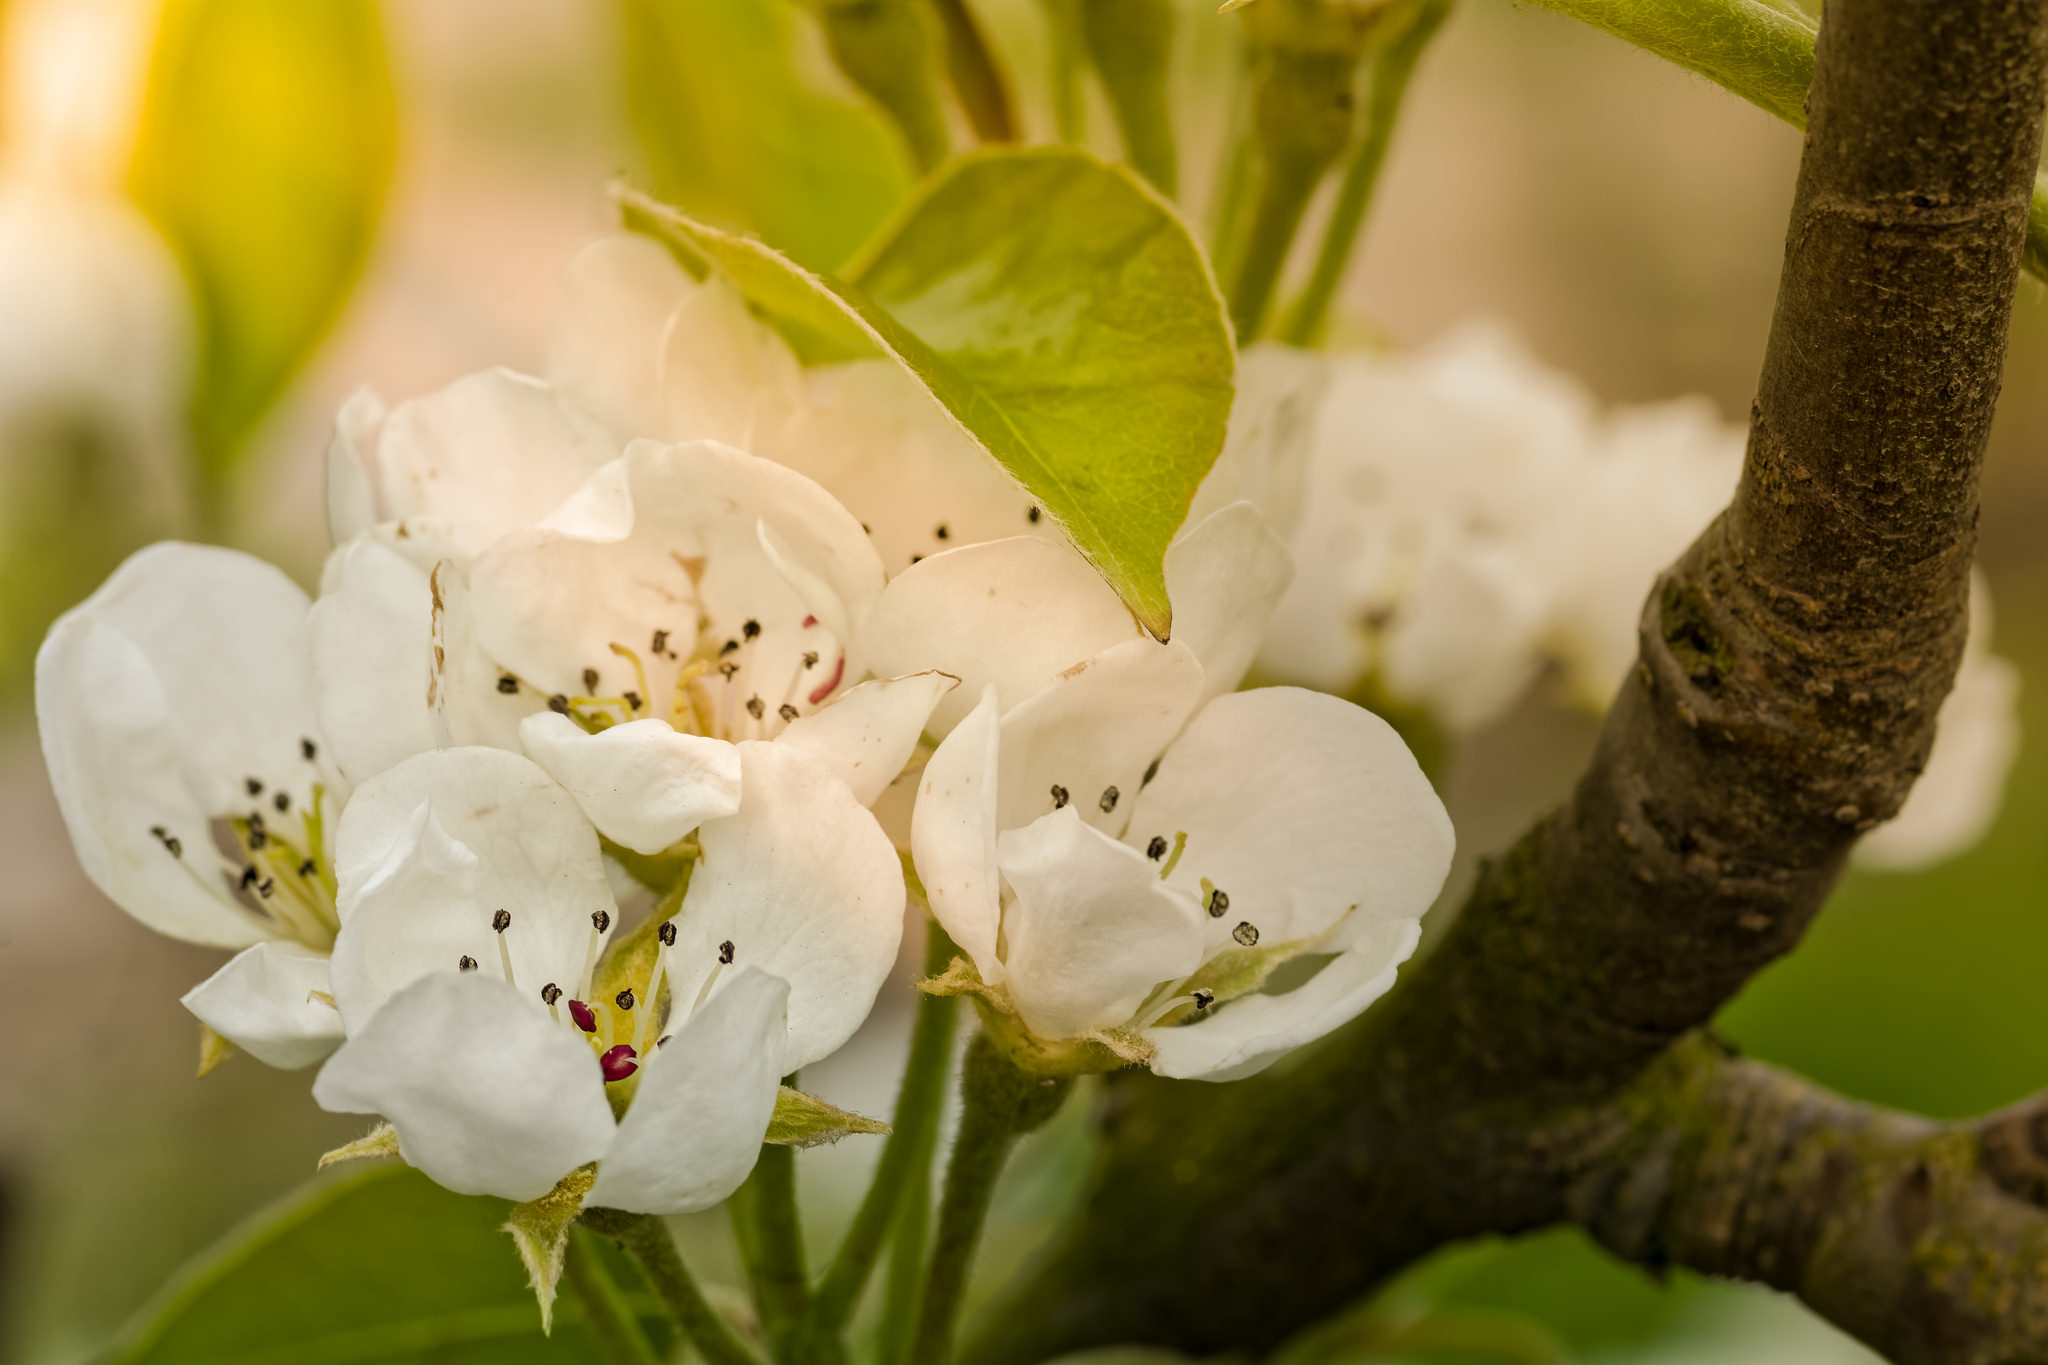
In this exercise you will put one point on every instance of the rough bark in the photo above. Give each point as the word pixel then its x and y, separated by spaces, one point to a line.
pixel 1791 667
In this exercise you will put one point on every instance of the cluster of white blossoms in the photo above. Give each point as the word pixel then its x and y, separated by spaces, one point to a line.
pixel 549 829
pixel 1471 522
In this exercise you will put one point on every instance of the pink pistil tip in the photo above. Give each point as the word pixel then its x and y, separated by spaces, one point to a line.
pixel 810 621
pixel 583 1015
pixel 618 1063
pixel 838 672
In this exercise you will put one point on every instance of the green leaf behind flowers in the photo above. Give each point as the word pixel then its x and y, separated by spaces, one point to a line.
pixel 382 1267
pixel 1062 314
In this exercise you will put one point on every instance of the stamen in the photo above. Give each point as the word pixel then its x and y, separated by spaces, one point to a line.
pixel 500 922
pixel 751 630
pixel 590 680
pixel 729 647
pixel 1204 998
pixel 308 868
pixel 559 704
pixel 249 876
pixel 1246 933
pixel 508 684
pixel 1150 773
pixel 599 922
pixel 465 963
pixel 787 712
pixel 1108 801
pixel 1033 515
pixel 633 700
pixel 667 933
pixel 1216 902
pixel 1167 1007
pixel 549 995
pixel 581 1016
pixel 265 887
pixel 941 532
pixel 309 750
pixel 756 707
pixel 1180 843
pixel 1156 849
pixel 254 784
pixel 258 836
pixel 617 1063
pixel 624 999
pixel 660 643
pixel 1059 797
pixel 810 655
pixel 725 953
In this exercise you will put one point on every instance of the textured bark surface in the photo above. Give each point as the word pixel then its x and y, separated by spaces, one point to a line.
pixel 1791 667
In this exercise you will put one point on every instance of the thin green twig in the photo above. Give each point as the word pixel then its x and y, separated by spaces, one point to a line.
pixel 646 1239
pixel 766 1224
pixel 612 1321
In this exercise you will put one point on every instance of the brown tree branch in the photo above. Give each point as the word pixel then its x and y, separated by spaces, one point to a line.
pixel 1791 667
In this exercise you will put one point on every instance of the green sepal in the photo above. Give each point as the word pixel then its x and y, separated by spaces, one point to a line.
pixel 1084 1054
pixel 381 1140
pixel 806 1121
pixel 540 1229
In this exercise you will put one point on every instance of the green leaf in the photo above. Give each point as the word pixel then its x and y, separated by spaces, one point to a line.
pixel 540 1230
pixel 806 1121
pixel 732 132
pixel 1059 310
pixel 381 1268
pixel 263 156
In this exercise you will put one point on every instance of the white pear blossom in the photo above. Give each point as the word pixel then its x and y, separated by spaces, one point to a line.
pixel 1124 849
pixel 495 1022
pixel 177 720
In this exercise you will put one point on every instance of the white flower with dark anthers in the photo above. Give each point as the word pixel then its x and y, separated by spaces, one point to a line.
pixel 177 722
pixel 495 1023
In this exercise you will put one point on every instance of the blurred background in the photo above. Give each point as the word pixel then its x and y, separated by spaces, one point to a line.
pixel 386 196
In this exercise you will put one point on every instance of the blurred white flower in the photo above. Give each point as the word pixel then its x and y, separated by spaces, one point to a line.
pixel 474 910
pixel 1125 853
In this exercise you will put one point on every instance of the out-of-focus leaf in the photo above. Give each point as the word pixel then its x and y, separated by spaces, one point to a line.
pixel 383 1268
pixel 735 134
pixel 1059 310
pixel 263 156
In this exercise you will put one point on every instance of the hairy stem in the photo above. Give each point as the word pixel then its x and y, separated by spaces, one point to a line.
pixel 611 1320
pixel 907 1155
pixel 770 1236
pixel 903 1292
pixel 646 1239
pixel 999 1104
pixel 1387 87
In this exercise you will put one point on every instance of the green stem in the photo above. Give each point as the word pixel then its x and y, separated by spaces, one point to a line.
pixel 770 1235
pixel 1233 175
pixel 1131 44
pixel 646 1239
pixel 890 49
pixel 1285 189
pixel 611 1320
pixel 977 81
pixel 999 1103
pixel 902 1294
pixel 1063 58
pixel 1391 69
pixel 907 1154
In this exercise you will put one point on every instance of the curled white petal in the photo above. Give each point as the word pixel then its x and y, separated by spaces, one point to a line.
pixel 866 736
pixel 642 784
pixel 266 1001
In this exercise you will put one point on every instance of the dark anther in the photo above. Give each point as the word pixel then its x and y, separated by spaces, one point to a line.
pixel 727 648
pixel 590 682
pixel 727 669
pixel 466 964
pixel 787 712
pixel 1246 933
pixel 624 999
pixel 309 749
pixel 1059 797
pixel 265 887
pixel 660 641
pixel 254 784
pixel 917 559
pixel 1033 515
pixel 558 704
pixel 308 868
pixel 502 921
pixel 1156 849
pixel 282 801
pixel 1108 801
pixel 942 533
pixel 1204 999
pixel 550 993
pixel 258 836
pixel 810 658
pixel 667 933
pixel 756 707
pixel 601 920
pixel 159 833
pixel 1150 773
pixel 176 846
pixel 661 1041
pixel 256 818
pixel 507 684
pixel 725 952
pixel 249 875
pixel 583 1016
pixel 618 1063
pixel 1219 902
pixel 751 629
pixel 633 700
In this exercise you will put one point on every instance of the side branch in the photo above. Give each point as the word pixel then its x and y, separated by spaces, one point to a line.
pixel 1791 667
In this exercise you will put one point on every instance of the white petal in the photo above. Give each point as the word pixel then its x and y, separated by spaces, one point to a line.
pixel 430 850
pixel 1009 612
pixel 725 375
pixel 1094 732
pixel 642 784
pixel 1957 797
pixel 490 454
pixel 705 1098
pixel 372 650
pixel 1302 808
pixel 159 698
pixel 1252 1032
pixel 953 835
pixel 867 735
pixel 1468 639
pixel 488 1095
pixel 805 886
pixel 351 499
pixel 1273 425
pixel 604 349
pixel 1092 929
pixel 1225 574
pixel 262 1001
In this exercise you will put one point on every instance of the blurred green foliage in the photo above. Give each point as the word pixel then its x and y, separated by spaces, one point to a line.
pixel 264 154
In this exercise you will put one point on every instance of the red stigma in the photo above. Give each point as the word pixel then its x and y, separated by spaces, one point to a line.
pixel 618 1063
pixel 585 1018
pixel 810 621
pixel 838 672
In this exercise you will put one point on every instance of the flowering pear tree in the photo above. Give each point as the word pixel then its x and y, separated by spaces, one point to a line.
pixel 987 567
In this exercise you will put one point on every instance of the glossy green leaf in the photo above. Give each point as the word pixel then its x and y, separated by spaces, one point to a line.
pixel 1059 310
pixel 734 133
pixel 264 153
pixel 383 1267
